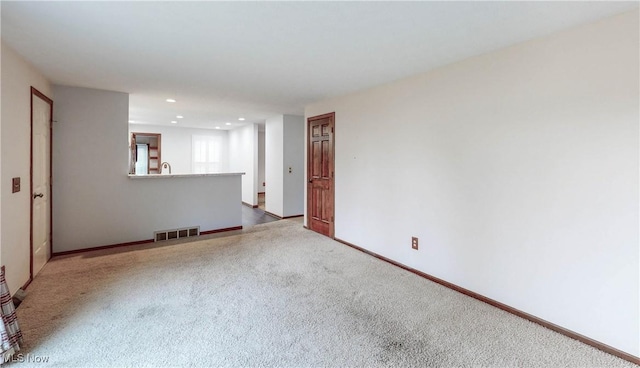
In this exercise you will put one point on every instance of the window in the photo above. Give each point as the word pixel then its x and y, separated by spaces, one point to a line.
pixel 207 153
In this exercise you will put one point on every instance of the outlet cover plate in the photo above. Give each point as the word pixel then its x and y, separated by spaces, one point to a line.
pixel 414 243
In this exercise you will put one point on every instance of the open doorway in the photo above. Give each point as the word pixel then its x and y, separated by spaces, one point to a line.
pixel 145 153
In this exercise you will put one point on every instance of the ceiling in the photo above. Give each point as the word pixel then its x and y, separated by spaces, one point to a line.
pixel 226 60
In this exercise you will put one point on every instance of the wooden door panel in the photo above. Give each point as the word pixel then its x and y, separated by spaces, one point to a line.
pixel 320 189
pixel 325 160
pixel 316 204
pixel 316 159
pixel 323 199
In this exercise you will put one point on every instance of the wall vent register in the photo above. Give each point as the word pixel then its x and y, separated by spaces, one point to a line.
pixel 186 232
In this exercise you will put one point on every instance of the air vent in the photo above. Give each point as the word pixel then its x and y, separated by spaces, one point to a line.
pixel 186 232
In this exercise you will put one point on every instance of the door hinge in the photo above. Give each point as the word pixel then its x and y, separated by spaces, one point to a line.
pixel 331 130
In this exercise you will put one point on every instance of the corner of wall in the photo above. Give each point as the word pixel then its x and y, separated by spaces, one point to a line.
pixel 294 166
pixel 274 165
pixel 256 163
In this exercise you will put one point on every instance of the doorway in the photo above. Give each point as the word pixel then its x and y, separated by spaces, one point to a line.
pixel 40 181
pixel 145 154
pixel 320 174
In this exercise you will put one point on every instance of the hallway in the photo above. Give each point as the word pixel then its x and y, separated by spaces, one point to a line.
pixel 255 216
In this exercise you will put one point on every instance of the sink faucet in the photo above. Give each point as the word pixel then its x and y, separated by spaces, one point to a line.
pixel 165 165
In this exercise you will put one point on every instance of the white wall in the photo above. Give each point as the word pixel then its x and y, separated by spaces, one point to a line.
pixel 95 203
pixel 243 157
pixel 293 156
pixel 261 161
pixel 18 76
pixel 176 144
pixel 284 149
pixel 518 171
pixel 274 165
pixel 1 177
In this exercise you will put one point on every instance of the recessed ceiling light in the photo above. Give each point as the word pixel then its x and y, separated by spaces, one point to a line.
pixel 227 123
pixel 170 100
pixel 174 122
pixel 241 119
pixel 179 116
pixel 217 127
pixel 132 121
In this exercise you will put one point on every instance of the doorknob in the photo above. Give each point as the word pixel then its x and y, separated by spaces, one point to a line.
pixel 310 180
pixel 36 195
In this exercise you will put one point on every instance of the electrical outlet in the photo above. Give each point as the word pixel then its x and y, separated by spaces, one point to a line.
pixel 414 243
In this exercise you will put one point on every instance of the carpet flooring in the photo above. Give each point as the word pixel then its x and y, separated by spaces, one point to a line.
pixel 274 295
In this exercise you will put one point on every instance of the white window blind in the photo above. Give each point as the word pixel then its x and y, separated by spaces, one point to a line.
pixel 207 154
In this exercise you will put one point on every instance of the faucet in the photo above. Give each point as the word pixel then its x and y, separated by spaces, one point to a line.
pixel 165 165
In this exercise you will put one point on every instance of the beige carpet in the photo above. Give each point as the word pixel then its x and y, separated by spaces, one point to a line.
pixel 275 295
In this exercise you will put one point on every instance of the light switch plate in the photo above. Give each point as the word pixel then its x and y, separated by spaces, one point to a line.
pixel 15 185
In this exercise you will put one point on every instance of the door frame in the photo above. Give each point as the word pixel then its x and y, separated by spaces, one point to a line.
pixel 133 139
pixel 331 115
pixel 35 92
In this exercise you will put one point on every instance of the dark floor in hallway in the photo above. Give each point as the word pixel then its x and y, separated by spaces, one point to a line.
pixel 255 216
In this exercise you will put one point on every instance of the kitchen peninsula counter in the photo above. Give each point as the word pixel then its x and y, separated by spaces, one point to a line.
pixel 169 176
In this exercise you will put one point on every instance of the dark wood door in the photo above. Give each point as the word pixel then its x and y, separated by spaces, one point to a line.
pixel 320 186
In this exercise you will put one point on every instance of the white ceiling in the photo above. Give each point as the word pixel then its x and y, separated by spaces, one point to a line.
pixel 225 60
